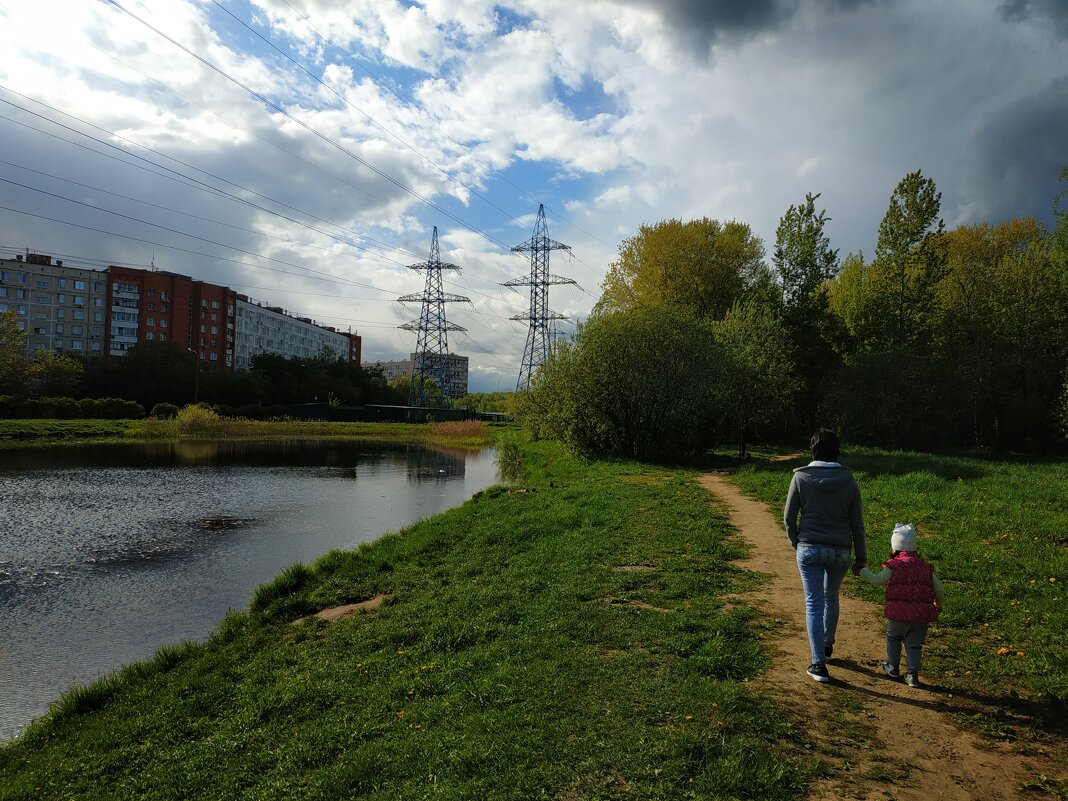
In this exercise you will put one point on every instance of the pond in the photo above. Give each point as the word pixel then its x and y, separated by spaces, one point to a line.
pixel 109 552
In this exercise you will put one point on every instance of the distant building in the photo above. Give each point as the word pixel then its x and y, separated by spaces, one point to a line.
pixel 79 310
pixel 159 306
pixel 403 369
pixel 270 329
pixel 61 308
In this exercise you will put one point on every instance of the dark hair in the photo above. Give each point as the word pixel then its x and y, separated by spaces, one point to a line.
pixel 825 445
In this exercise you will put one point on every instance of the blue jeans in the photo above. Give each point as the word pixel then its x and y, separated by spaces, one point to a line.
pixel 822 569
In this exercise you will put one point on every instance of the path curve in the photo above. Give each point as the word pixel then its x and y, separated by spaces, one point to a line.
pixel 887 740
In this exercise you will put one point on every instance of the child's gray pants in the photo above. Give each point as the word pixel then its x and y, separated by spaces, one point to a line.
pixel 912 635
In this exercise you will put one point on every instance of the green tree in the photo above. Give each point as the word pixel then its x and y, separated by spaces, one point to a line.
pixel 14 367
pixel 56 375
pixel 806 263
pixel 907 261
pixel 641 383
pixel 803 255
pixel 701 265
pixel 759 381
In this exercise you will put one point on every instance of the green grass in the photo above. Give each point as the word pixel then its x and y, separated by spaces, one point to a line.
pixel 19 433
pixel 512 660
pixel 997 534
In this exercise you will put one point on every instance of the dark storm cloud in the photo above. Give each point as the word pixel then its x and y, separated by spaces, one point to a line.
pixel 1022 10
pixel 1019 155
pixel 705 22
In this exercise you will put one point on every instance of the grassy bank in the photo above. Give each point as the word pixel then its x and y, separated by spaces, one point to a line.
pixel 567 637
pixel 997 533
pixel 19 433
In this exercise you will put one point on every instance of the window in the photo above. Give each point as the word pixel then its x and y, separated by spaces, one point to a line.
pixel 40 284
pixel 79 284
pixel 163 295
pixel 40 315
pixel 214 356
pixel 59 329
pixel 150 321
pixel 76 330
pixel 151 306
pixel 163 307
pixel 215 318
pixel 5 276
pixel 152 293
pixel 79 300
pixel 98 286
pixel 150 335
pixel 22 278
pixel 57 344
pixel 40 331
pixel 215 304
pixel 204 304
pixel 79 314
pixel 203 328
pixel 3 291
pixel 98 317
pixel 61 283
pixel 95 346
pixel 215 329
pixel 163 323
pixel 43 299
pixel 98 301
pixel 61 313
pixel 20 309
pixel 94 330
pixel 21 294
pixel 162 337
pixel 215 343
pixel 61 298
pixel 77 344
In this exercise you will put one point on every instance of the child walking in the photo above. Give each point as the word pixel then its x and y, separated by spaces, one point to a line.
pixel 913 601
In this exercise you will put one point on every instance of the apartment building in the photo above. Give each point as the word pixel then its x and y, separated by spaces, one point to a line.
pixel 270 329
pixel 59 306
pixel 158 305
pixel 78 310
pixel 457 366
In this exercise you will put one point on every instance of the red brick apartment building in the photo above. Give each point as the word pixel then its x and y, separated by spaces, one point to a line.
pixel 148 305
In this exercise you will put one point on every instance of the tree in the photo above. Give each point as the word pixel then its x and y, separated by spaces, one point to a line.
pixel 56 375
pixel 907 260
pixel 641 383
pixel 803 256
pixel 14 367
pixel 806 262
pixel 701 265
pixel 759 381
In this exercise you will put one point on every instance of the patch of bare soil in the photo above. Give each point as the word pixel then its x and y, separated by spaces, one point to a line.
pixel 336 613
pixel 881 738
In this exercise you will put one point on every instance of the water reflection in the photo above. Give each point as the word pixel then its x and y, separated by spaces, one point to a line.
pixel 108 552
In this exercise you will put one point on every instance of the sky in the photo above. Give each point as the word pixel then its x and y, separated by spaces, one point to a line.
pixel 303 151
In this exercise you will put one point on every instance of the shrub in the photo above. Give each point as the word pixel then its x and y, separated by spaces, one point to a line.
pixel 164 411
pixel 197 421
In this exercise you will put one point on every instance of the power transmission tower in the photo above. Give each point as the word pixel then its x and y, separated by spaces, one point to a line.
pixel 431 357
pixel 539 335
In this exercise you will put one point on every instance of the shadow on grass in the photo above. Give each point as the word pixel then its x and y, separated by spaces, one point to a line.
pixel 1047 714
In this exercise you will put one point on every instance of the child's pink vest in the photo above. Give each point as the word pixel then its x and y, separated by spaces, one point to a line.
pixel 910 591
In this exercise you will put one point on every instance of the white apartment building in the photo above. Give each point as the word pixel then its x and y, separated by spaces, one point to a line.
pixel 458 366
pixel 61 308
pixel 269 329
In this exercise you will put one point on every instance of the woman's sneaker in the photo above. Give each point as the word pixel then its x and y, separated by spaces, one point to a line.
pixel 912 680
pixel 890 670
pixel 819 673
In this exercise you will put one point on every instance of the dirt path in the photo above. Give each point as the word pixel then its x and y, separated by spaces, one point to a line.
pixel 884 740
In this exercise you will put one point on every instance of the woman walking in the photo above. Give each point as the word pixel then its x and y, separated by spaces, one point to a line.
pixel 824 522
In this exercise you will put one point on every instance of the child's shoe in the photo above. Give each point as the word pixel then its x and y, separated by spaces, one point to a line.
pixel 912 680
pixel 819 673
pixel 890 670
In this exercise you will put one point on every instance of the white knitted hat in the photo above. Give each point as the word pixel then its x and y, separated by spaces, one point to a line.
pixel 904 537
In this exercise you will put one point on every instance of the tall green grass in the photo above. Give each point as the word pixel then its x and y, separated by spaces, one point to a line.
pixel 997 533
pixel 565 637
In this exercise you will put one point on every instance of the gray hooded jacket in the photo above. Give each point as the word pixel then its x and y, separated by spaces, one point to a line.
pixel 827 499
